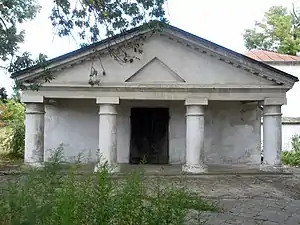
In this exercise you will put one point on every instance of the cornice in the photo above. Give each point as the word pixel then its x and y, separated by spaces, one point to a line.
pixel 175 87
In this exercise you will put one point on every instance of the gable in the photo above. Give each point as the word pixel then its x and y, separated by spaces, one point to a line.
pixel 163 61
pixel 175 34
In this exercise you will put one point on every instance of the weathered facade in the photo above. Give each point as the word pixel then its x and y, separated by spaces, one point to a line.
pixel 184 101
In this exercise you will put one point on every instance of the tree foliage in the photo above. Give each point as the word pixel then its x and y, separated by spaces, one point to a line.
pixel 13 13
pixel 278 31
pixel 24 61
pixel 93 19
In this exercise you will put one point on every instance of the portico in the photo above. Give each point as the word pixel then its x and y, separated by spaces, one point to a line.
pixel 193 142
pixel 214 97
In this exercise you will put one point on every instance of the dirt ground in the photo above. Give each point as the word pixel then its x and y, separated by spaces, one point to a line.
pixel 252 199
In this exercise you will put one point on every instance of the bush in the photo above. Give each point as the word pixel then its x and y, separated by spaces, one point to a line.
pixel 50 196
pixel 12 116
pixel 292 158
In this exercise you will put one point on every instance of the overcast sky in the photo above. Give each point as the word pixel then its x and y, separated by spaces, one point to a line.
pixel 222 22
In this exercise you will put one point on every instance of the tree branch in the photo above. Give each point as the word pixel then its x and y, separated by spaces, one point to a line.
pixel 295 15
pixel 3 22
pixel 3 68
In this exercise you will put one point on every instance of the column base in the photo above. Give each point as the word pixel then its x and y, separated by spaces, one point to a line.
pixel 270 168
pixel 194 169
pixel 35 164
pixel 113 168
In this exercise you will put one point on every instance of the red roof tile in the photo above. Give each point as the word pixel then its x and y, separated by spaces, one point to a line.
pixel 268 56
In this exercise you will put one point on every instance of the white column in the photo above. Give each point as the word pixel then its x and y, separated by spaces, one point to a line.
pixel 195 136
pixel 108 133
pixel 272 135
pixel 34 134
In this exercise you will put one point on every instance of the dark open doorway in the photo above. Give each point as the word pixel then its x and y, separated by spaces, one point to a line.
pixel 149 141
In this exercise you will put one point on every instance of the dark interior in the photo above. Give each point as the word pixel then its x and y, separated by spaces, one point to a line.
pixel 149 136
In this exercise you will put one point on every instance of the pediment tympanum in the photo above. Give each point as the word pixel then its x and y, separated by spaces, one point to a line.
pixel 155 71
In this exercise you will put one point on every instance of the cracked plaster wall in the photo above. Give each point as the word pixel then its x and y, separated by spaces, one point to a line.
pixel 232 130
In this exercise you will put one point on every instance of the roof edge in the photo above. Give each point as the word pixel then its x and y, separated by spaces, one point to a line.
pixel 75 52
pixel 294 78
pixel 281 62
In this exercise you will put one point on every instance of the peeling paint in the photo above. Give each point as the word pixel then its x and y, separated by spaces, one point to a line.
pixel 229 139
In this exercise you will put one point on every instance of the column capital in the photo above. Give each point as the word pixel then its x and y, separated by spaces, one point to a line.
pixel 272 110
pixel 194 110
pixel 108 100
pixel 196 101
pixel 275 101
pixel 34 108
pixel 32 98
pixel 107 109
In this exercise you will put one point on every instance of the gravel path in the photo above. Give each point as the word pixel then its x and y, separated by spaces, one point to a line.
pixel 251 200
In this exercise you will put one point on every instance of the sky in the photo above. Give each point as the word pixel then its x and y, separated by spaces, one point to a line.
pixel 222 22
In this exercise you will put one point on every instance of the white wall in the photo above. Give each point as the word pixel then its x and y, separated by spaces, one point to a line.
pixel 232 133
pixel 232 130
pixel 73 123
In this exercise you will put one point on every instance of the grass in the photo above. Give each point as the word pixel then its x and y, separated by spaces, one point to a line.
pixel 48 196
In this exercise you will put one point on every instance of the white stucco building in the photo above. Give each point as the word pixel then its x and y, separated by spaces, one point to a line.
pixel 185 101
pixel 290 111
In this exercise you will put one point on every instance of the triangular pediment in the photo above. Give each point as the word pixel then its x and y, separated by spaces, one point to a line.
pixel 171 56
pixel 155 71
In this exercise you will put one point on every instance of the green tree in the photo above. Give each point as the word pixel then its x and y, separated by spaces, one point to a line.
pixel 278 31
pixel 12 14
pixel 93 19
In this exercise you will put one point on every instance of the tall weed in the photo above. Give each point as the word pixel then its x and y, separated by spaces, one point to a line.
pixel 56 195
